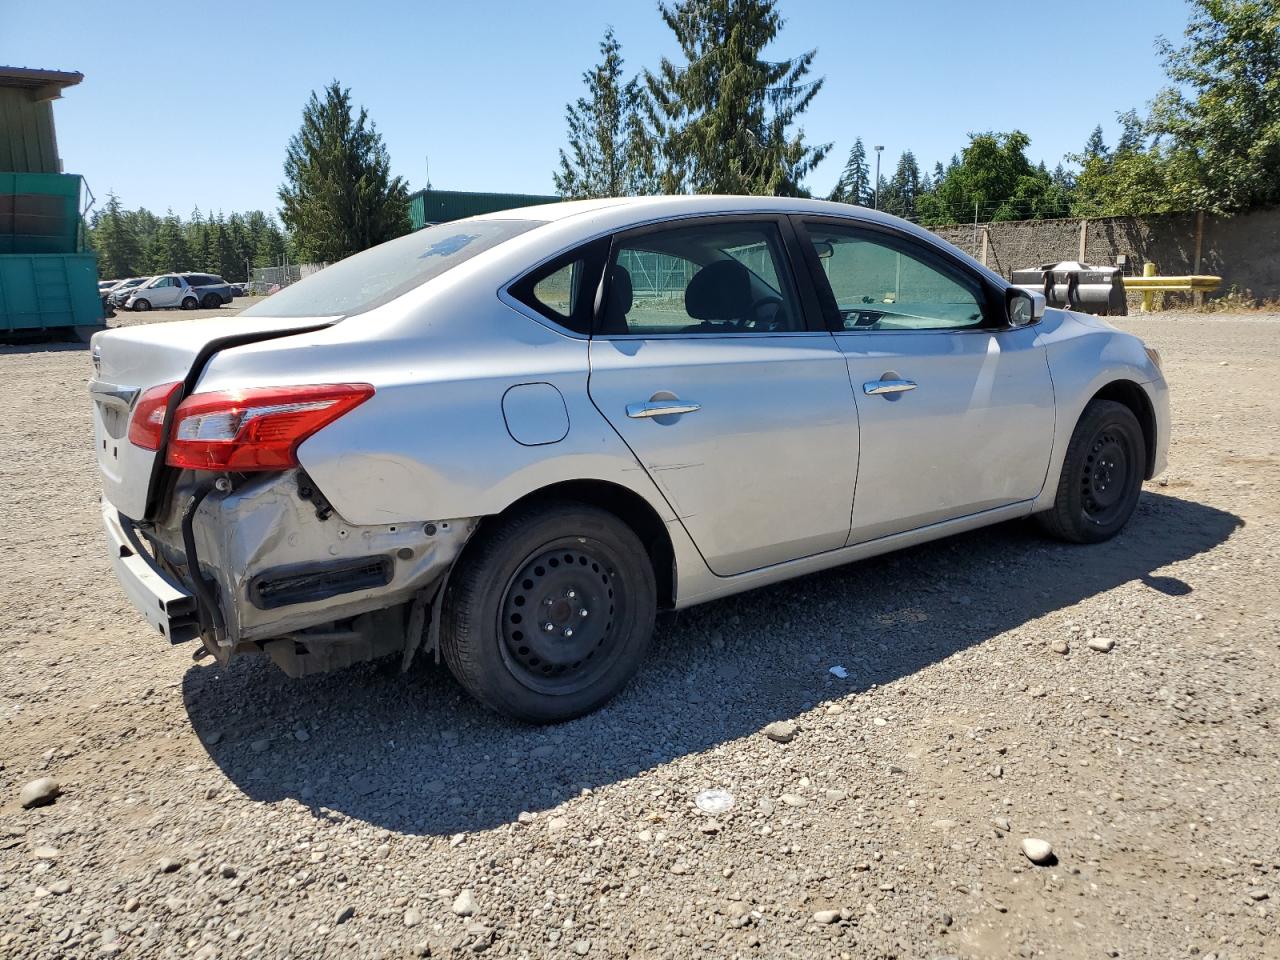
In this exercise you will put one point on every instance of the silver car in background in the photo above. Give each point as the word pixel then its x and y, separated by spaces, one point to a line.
pixel 513 439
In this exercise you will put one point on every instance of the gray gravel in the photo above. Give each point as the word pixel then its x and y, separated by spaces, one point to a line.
pixel 217 814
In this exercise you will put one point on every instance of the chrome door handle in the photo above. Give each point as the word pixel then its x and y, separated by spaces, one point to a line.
pixel 876 388
pixel 660 408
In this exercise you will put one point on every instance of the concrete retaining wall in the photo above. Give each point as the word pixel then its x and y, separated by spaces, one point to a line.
pixel 1244 250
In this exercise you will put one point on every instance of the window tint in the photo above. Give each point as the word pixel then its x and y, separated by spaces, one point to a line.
pixel 879 284
pixel 708 278
pixel 382 273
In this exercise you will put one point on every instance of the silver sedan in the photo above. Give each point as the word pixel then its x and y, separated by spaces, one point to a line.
pixel 512 440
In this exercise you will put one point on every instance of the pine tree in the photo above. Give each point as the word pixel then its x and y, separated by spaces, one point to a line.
pixel 854 184
pixel 605 154
pixel 721 121
pixel 904 188
pixel 114 238
pixel 1094 146
pixel 339 196
pixel 168 251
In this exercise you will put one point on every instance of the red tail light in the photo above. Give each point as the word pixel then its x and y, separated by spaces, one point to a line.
pixel 146 425
pixel 255 429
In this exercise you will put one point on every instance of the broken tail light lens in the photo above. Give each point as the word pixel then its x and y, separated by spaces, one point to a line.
pixel 146 423
pixel 255 429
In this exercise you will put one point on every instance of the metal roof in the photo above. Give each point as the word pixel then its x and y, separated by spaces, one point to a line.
pixel 43 84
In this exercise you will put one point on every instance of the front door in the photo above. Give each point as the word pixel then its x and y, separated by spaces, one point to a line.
pixel 165 292
pixel 704 362
pixel 957 409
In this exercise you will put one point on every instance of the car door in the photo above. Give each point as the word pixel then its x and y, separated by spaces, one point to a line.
pixel 165 292
pixel 956 407
pixel 716 373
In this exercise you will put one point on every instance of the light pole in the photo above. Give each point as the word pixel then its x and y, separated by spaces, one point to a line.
pixel 877 201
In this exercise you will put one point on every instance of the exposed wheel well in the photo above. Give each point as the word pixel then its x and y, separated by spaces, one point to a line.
pixel 1135 398
pixel 631 509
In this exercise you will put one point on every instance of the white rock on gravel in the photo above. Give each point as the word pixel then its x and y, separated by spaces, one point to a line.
pixel 1102 644
pixel 781 731
pixel 826 916
pixel 39 793
pixel 412 917
pixel 464 905
pixel 1039 852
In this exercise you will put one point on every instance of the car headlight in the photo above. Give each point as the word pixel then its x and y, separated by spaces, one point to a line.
pixel 1154 356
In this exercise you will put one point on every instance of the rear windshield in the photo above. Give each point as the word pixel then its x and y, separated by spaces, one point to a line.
pixel 382 273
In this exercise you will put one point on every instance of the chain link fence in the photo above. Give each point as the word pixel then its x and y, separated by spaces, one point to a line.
pixel 267 280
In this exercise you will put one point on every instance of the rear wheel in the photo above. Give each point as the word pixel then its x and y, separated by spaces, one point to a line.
pixel 212 301
pixel 1101 475
pixel 141 305
pixel 549 613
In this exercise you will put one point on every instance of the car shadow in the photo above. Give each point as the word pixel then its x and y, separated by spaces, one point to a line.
pixel 415 755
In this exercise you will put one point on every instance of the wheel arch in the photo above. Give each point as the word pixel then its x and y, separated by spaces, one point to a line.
pixel 1131 395
pixel 629 507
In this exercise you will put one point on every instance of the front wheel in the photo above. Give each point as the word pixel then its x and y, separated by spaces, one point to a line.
pixel 1101 475
pixel 188 303
pixel 549 612
pixel 141 305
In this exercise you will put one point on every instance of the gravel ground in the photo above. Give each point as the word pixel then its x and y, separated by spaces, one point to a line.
pixel 210 813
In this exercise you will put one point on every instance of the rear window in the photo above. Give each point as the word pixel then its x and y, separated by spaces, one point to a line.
pixel 382 273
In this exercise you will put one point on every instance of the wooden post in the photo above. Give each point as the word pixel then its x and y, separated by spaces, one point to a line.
pixel 1195 268
pixel 1084 236
pixel 986 241
pixel 1148 270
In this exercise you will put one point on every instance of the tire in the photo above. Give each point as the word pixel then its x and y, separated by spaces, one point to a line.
pixel 212 301
pixel 560 564
pixel 189 303
pixel 1101 475
pixel 142 305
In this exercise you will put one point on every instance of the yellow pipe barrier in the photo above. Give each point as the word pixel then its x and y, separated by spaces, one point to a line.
pixel 1150 285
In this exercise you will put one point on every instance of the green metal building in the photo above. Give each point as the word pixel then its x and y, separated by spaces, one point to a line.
pixel 48 281
pixel 440 206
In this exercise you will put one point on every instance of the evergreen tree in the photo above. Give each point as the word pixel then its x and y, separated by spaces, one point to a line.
pixel 1095 146
pixel 116 242
pixel 606 142
pixel 1131 135
pixel 903 189
pixel 854 185
pixel 339 196
pixel 994 180
pixel 168 251
pixel 721 120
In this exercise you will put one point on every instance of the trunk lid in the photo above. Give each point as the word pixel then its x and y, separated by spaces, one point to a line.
pixel 130 360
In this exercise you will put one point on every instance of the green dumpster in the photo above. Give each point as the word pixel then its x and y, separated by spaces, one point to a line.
pixel 43 292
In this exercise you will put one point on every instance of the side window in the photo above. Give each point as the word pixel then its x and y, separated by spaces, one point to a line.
pixel 717 278
pixel 564 290
pixel 556 291
pixel 879 284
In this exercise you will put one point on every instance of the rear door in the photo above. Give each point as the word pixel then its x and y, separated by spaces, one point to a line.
pixel 709 364
pixel 957 408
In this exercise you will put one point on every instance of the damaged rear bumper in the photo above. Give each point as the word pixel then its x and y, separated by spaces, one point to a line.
pixel 278 562
pixel 167 605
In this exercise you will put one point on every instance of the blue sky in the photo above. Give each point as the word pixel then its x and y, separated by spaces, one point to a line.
pixel 193 106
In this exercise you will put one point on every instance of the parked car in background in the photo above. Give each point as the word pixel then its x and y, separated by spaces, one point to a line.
pixel 240 289
pixel 120 292
pixel 515 438
pixel 211 290
pixel 163 291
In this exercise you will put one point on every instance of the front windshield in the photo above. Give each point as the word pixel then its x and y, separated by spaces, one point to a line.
pixel 380 274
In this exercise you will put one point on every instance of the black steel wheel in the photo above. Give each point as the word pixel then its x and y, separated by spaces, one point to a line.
pixel 1101 475
pixel 212 301
pixel 548 613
